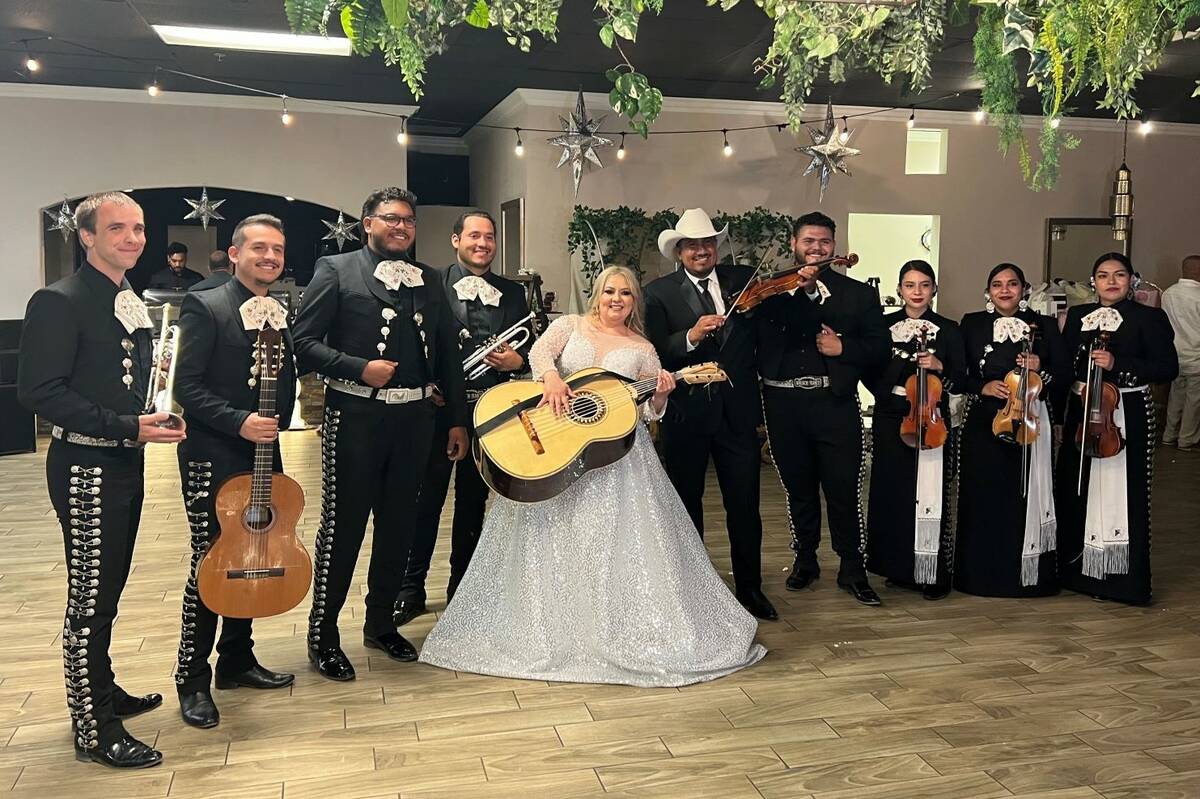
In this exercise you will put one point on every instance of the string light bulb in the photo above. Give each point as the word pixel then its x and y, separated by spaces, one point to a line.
pixel 1054 123
pixel 31 62
pixel 980 114
pixel 520 148
pixel 727 149
pixel 844 135
pixel 621 149
pixel 912 119
pixel 1145 127
pixel 153 89
pixel 285 117
pixel 402 136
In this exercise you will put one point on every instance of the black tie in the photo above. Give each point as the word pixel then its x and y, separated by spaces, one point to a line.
pixel 706 299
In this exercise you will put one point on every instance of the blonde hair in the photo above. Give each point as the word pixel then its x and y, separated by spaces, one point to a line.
pixel 634 320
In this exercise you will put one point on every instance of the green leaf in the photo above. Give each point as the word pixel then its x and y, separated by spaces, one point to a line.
pixel 479 16
pixel 612 75
pixel 625 25
pixel 347 25
pixel 607 36
pixel 767 82
pixel 826 47
pixel 1197 92
pixel 650 104
pixel 396 12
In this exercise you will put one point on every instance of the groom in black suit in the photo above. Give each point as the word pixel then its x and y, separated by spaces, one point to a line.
pixel 813 347
pixel 685 321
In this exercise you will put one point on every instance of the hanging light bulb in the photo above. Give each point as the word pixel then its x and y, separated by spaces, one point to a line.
pixel 621 149
pixel 402 136
pixel 727 149
pixel 285 117
pixel 31 63
pixel 844 135
pixel 153 89
pixel 980 115
pixel 912 119
pixel 1054 123
pixel 520 148
pixel 1145 127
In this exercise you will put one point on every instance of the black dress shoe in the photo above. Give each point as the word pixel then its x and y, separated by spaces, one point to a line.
pixel 255 677
pixel 756 602
pixel 129 706
pixel 861 590
pixel 802 575
pixel 128 752
pixel 935 592
pixel 332 664
pixel 395 645
pixel 407 610
pixel 198 710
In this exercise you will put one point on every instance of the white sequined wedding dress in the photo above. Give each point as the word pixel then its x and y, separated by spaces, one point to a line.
pixel 609 581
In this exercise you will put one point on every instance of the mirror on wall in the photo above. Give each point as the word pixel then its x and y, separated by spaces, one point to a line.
pixel 1072 246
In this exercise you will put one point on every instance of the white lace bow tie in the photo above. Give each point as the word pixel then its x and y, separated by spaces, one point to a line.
pixel 474 287
pixel 259 313
pixel 130 311
pixel 394 274
pixel 1108 319
pixel 908 329
pixel 1010 328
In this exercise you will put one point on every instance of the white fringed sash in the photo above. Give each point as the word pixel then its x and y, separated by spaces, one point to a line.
pixel 1106 526
pixel 1041 524
pixel 928 515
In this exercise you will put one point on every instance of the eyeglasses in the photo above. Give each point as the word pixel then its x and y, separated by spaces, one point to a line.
pixel 394 220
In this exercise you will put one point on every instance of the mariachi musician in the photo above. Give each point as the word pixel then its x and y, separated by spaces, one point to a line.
pixel 378 327
pixel 913 548
pixel 84 367
pixel 1006 526
pixel 216 383
pixel 1104 516
pixel 813 348
pixel 485 305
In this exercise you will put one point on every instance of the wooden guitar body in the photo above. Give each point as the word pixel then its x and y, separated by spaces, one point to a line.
pixel 255 569
pixel 536 455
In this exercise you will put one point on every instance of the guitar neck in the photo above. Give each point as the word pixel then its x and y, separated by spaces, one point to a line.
pixel 644 389
pixel 264 454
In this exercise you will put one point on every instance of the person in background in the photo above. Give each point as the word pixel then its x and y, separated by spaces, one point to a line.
pixel 1182 304
pixel 221 268
pixel 175 276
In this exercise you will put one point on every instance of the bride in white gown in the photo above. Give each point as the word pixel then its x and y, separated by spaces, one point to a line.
pixel 608 582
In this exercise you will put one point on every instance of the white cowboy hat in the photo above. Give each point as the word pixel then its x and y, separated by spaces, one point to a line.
pixel 694 224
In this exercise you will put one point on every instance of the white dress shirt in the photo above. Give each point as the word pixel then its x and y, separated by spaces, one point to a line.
pixel 1182 304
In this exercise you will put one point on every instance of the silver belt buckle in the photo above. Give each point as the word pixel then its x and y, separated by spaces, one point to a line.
pixel 394 396
pixel 810 382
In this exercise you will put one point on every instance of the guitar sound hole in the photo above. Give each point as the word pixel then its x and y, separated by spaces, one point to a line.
pixel 258 518
pixel 587 408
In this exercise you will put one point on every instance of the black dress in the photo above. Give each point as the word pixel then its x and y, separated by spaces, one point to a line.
pixel 1144 353
pixel 891 518
pixel 991 506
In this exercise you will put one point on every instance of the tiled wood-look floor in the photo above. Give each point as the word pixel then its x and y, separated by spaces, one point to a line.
pixel 1062 698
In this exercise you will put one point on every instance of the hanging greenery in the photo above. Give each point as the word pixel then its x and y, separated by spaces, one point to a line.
pixel 1059 47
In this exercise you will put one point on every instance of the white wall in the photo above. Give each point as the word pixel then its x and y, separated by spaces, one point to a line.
pixel 66 141
pixel 987 215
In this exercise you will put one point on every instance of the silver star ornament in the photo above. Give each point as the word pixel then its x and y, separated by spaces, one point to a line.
pixel 203 209
pixel 828 150
pixel 340 231
pixel 579 141
pixel 64 220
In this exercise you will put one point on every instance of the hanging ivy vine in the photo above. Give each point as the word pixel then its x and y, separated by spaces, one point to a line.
pixel 1059 47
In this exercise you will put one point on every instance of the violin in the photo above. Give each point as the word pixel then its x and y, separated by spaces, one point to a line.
pixel 1017 422
pixel 1098 435
pixel 783 281
pixel 923 427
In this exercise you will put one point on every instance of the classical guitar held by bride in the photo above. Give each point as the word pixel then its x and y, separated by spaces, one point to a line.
pixel 528 454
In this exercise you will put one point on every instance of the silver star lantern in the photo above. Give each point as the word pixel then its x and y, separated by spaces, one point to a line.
pixel 579 141
pixel 828 150
pixel 64 220
pixel 340 231
pixel 203 209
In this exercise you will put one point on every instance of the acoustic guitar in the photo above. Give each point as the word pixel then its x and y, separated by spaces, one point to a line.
pixel 528 454
pixel 257 566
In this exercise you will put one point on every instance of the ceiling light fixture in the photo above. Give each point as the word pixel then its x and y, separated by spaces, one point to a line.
pixel 258 41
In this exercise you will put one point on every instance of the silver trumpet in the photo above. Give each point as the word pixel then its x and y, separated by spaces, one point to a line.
pixel 515 337
pixel 160 394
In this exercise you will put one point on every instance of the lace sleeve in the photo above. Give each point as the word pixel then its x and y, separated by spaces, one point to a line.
pixel 545 351
pixel 650 367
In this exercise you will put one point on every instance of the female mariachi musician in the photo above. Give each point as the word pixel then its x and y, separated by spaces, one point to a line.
pixel 1104 514
pixel 912 549
pixel 1006 520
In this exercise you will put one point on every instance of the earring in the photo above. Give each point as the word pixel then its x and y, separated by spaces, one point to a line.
pixel 990 306
pixel 1023 304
